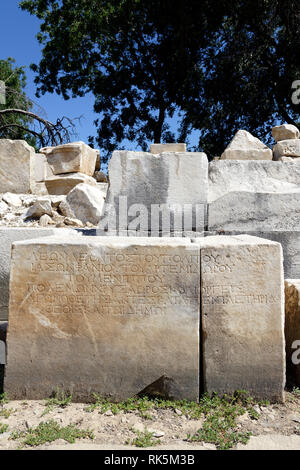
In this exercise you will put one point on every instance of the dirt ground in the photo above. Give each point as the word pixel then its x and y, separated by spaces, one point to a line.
pixel 277 426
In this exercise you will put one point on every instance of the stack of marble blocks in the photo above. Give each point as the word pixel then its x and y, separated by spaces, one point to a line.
pixel 140 308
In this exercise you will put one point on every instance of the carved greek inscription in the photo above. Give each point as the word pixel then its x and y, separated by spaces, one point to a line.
pixel 111 283
pixel 218 290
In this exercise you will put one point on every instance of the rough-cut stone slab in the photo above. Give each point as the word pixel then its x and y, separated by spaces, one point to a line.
pixel 64 183
pixel 289 159
pixel 174 182
pixel 242 316
pixel 105 315
pixel 8 235
pixel 245 211
pixel 292 330
pixel 226 176
pixel 17 172
pixel 86 202
pixel 244 146
pixel 287 148
pixel 160 148
pixel 284 132
pixel 72 158
pixel 40 167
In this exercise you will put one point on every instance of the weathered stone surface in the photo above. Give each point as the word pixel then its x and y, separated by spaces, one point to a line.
pixel 245 211
pixel 86 202
pixel 72 158
pixel 39 189
pixel 16 166
pixel 40 169
pixel 66 210
pixel 39 208
pixel 3 208
pixel 106 315
pixel 242 316
pixel 284 132
pixel 160 148
pixel 244 146
pixel 172 183
pixel 103 187
pixel 7 237
pixel 287 148
pixel 227 176
pixel 289 159
pixel 290 242
pixel 65 183
pixel 46 220
pixel 292 330
pixel 12 199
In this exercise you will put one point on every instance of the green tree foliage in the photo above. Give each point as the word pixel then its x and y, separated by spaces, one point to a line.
pixel 13 126
pixel 214 65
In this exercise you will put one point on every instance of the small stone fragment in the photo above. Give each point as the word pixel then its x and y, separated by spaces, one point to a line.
pixel 284 132
pixel 45 220
pixel 38 209
pixel 12 199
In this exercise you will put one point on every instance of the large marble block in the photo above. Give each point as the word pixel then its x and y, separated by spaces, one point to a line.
pixel 242 291
pixel 249 211
pixel 115 316
pixel 164 192
pixel 71 158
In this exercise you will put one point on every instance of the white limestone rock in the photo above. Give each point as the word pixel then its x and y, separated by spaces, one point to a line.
pixel 244 146
pixel 285 132
pixel 174 181
pixel 46 220
pixel 174 147
pixel 3 208
pixel 63 184
pixel 86 203
pixel 12 199
pixel 227 176
pixel 287 148
pixel 251 212
pixel 72 158
pixel 39 208
pixel 17 173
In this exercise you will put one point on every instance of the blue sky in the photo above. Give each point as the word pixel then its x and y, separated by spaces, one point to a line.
pixel 17 39
pixel 18 31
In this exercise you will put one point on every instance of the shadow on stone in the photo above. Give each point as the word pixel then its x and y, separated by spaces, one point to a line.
pixel 164 387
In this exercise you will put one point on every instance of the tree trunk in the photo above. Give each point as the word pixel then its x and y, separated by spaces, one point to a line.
pixel 159 125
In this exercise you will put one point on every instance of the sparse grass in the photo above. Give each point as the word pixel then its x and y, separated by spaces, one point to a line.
pixel 50 431
pixel 142 405
pixel 220 414
pixel 3 428
pixel 3 398
pixel 296 392
pixel 220 425
pixel 143 439
pixel 5 413
pixel 60 399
